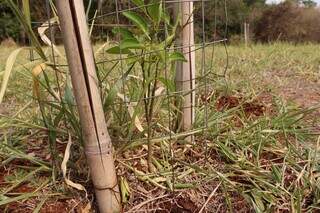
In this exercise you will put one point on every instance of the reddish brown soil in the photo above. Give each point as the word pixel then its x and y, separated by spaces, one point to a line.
pixel 257 107
pixel 300 91
pixel 51 206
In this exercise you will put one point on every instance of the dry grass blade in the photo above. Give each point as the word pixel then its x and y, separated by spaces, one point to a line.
pixel 101 48
pixel 36 84
pixel 209 198
pixel 64 168
pixel 42 30
pixel 131 110
pixel 137 207
pixel 7 72
pixel 87 208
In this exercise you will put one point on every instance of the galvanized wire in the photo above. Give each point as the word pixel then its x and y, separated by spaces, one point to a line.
pixel 108 65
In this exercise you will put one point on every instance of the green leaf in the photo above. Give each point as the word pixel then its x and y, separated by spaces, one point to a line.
pixel 155 11
pixel 171 37
pixel 24 196
pixel 132 58
pixel 125 33
pixel 258 201
pixel 68 95
pixel 168 83
pixel 125 189
pixel 131 43
pixel 166 18
pixel 112 93
pixel 177 56
pixel 276 172
pixel 125 46
pixel 138 3
pixel 227 152
pixel 117 50
pixel 161 52
pixel 139 21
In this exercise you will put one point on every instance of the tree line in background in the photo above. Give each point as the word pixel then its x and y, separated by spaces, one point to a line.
pixel 292 20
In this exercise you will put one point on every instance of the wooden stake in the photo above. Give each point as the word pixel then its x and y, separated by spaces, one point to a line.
pixel 246 33
pixel 98 146
pixel 185 71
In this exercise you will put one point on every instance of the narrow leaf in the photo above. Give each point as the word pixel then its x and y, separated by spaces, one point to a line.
pixel 68 95
pixel 138 3
pixel 125 33
pixel 131 44
pixel 139 21
pixel 35 74
pixel 168 83
pixel 155 11
pixel 117 50
pixel 64 168
pixel 177 56
pixel 8 69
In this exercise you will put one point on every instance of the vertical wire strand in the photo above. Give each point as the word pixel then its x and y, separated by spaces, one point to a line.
pixel 214 33
pixel 192 52
pixel 31 51
pixel 100 12
pixel 225 42
pixel 203 63
pixel 100 8
pixel 48 11
pixel 120 58
pixel 54 63
pixel 172 161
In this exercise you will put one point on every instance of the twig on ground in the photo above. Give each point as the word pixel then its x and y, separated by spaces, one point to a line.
pixel 209 198
pixel 146 202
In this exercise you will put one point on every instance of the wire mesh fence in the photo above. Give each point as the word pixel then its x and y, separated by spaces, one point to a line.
pixel 120 72
pixel 241 148
pixel 138 50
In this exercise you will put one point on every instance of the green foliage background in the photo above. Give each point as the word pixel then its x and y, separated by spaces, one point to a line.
pixel 9 25
pixel 222 19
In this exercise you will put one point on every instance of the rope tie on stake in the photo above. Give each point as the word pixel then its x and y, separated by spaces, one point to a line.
pixel 94 150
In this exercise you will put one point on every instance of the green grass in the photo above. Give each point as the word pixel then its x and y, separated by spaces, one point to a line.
pixel 266 162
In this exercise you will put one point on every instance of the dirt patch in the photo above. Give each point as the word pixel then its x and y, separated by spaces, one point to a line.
pixel 56 206
pixel 294 87
pixel 178 205
pixel 25 188
pixel 50 206
pixel 254 108
pixel 4 109
pixel 227 102
pixel 303 92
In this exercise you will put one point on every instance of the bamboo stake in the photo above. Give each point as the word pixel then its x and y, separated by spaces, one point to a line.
pixel 185 71
pixel 98 146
